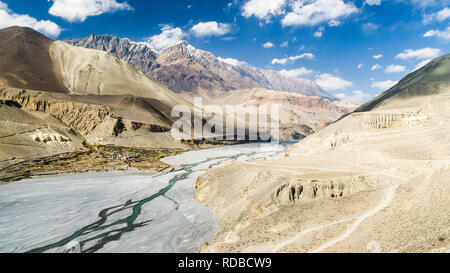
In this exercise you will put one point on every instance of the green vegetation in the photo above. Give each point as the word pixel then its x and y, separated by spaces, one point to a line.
pixel 95 157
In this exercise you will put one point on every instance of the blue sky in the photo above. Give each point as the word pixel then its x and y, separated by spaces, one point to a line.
pixel 354 49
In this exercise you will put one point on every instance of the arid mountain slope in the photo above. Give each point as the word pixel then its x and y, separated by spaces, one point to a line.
pixel 91 94
pixel 299 115
pixel 93 72
pixel 432 79
pixel 374 181
pixel 184 68
pixel 33 61
pixel 25 61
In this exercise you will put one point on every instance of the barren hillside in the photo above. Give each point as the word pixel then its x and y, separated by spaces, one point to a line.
pixel 82 94
pixel 375 181
pixel 25 61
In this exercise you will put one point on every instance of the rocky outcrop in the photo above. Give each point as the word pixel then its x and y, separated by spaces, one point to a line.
pixel 89 116
pixel 82 118
pixel 382 120
pixel 304 190
pixel 390 119
pixel 50 137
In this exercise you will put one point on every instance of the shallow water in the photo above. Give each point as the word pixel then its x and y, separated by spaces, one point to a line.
pixel 118 211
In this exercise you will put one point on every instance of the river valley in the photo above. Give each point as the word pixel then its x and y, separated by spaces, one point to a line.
pixel 127 211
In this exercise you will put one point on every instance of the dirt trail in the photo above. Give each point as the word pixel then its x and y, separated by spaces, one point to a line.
pixel 289 241
pixel 389 196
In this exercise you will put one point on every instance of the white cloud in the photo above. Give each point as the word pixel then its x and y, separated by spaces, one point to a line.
pixel 444 34
pixel 293 58
pixel 440 16
pixel 268 45
pixel 305 56
pixel 280 61
pixel 360 66
pixel 263 9
pixel 384 85
pixel 334 23
pixel 311 13
pixel 443 14
pixel 295 73
pixel 422 64
pixel 356 96
pixel 285 44
pixel 232 61
pixel 395 69
pixel 8 18
pixel 329 82
pixel 212 28
pixel 376 57
pixel 169 36
pixel 419 54
pixel 373 2
pixel 319 33
pixel 376 67
pixel 79 10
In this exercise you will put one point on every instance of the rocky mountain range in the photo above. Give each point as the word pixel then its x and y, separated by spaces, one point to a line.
pixel 184 68
pixel 67 94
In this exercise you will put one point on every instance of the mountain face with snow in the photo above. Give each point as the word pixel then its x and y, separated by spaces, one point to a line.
pixel 184 68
